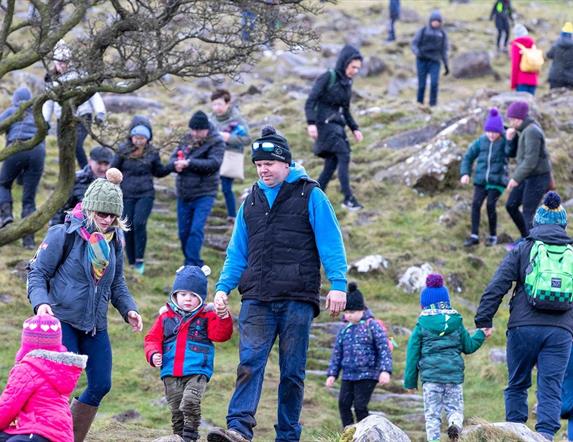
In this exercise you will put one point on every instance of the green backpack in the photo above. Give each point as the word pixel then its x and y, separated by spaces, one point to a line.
pixel 549 277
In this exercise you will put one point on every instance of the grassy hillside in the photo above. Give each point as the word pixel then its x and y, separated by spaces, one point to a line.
pixel 397 222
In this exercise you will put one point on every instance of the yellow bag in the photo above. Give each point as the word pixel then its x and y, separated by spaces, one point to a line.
pixel 531 58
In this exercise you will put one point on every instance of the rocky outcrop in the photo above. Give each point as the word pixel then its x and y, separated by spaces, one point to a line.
pixel 472 64
pixel 414 278
pixel 370 263
pixel 502 430
pixel 376 428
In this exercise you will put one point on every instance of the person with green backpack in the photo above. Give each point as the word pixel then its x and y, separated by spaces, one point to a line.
pixel 540 326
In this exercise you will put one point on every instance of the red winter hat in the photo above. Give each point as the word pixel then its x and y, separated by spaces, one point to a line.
pixel 40 332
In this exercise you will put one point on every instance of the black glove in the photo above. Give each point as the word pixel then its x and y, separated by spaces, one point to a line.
pixel 447 70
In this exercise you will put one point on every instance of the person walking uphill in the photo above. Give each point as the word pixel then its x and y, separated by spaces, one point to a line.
pixel 139 162
pixel 34 406
pixel 196 160
pixel 77 271
pixel 28 163
pixel 435 355
pixel 561 54
pixel 284 230
pixel 522 80
pixel 491 175
pixel 327 111
pixel 532 176
pixel 394 12
pixel 502 14
pixel 540 326
pixel 430 46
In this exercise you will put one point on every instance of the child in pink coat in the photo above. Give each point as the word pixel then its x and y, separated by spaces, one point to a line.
pixel 35 403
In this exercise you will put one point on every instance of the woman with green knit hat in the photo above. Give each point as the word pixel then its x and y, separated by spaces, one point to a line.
pixel 77 271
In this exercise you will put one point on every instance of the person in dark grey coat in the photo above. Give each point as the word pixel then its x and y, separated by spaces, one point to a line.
pixel 430 46
pixel 76 273
pixel 29 164
pixel 535 337
pixel 327 111
pixel 561 54
pixel 197 161
pixel 139 162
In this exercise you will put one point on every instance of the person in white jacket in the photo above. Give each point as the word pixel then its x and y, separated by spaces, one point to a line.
pixel 91 110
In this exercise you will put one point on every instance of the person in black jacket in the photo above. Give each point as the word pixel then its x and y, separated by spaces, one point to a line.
pixel 327 111
pixel 139 162
pixel 196 160
pixel 502 14
pixel 28 164
pixel 535 337
pixel 98 163
pixel 430 46
pixel 561 71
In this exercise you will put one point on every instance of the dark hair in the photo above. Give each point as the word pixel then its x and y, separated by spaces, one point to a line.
pixel 221 93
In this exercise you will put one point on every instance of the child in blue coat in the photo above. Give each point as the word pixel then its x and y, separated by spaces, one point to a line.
pixel 362 352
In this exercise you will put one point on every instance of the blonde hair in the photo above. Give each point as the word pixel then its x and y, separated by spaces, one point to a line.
pixel 120 223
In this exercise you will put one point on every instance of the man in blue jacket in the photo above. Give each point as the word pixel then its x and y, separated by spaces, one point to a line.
pixel 284 230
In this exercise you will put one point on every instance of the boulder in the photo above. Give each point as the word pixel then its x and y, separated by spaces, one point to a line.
pixel 498 355
pixel 408 15
pixel 411 137
pixel 330 49
pixel 129 103
pixel 307 72
pixel 374 66
pixel 414 278
pixel 502 430
pixel 371 263
pixel 502 101
pixel 457 213
pixel 399 84
pixel 472 64
pixel 378 429
pixel 430 169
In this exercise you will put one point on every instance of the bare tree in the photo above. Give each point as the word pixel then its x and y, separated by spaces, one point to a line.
pixel 120 46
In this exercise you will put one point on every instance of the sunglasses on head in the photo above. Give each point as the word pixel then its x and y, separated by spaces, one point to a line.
pixel 104 215
pixel 267 146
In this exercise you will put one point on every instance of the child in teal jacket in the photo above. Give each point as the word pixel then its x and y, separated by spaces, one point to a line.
pixel 434 353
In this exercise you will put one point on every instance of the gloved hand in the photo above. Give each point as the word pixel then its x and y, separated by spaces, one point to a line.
pixel 447 70
pixel 100 118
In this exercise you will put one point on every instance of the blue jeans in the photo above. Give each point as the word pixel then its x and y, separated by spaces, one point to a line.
pixel 98 369
pixel 528 194
pixel 526 88
pixel 227 188
pixel 137 211
pixel 7 437
pixel 432 68
pixel 548 348
pixel 191 219
pixel 259 325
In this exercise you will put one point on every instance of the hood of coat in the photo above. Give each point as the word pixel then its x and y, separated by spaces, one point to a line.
pixel 440 322
pixel 61 369
pixel 550 234
pixel 140 120
pixel 21 95
pixel 436 16
pixel 347 54
pixel 565 42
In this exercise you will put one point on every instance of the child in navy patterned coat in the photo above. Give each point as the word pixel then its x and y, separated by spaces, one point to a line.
pixel 362 352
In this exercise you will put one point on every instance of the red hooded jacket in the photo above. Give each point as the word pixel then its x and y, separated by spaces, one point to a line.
pixel 518 76
pixel 36 397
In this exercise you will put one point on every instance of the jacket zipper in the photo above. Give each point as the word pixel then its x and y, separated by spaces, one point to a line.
pixel 488 162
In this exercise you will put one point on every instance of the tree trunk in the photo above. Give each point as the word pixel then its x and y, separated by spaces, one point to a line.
pixel 66 178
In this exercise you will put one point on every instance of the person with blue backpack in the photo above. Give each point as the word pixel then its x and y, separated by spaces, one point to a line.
pixel 540 325
pixel 362 352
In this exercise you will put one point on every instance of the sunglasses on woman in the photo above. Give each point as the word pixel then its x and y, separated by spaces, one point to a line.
pixel 105 216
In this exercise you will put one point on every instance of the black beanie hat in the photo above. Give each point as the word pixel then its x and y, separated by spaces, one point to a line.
pixel 354 299
pixel 271 146
pixel 199 121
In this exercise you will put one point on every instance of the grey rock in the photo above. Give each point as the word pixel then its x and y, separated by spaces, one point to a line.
pixel 472 64
pixel 129 103
pixel 498 355
pixel 330 50
pixel 307 72
pixel 408 15
pixel 293 60
pixel 475 261
pixel 399 84
pixel 414 278
pixel 411 137
pixel 454 215
pixel 370 263
pixel 378 429
pixel 502 101
pixel 252 90
pixel 126 416
pixel 497 430
pixel 374 66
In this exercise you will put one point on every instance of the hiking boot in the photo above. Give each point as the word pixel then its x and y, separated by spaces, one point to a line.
pixel 352 204
pixel 454 433
pixel 139 267
pixel 190 434
pixel 222 435
pixel 6 216
pixel 28 242
pixel 491 241
pixel 472 240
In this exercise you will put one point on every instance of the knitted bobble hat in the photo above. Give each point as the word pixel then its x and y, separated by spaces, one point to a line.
pixel 354 299
pixel 192 279
pixel 104 194
pixel 551 211
pixel 271 146
pixel 493 122
pixel 518 109
pixel 435 295
pixel 199 121
pixel 40 332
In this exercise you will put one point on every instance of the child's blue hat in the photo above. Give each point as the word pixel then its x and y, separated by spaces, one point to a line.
pixel 435 294
pixel 193 279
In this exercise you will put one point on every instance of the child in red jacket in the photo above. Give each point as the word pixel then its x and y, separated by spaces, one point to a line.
pixel 35 403
pixel 181 343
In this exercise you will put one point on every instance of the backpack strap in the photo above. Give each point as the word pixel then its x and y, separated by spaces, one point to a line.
pixel 331 78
